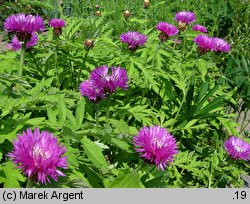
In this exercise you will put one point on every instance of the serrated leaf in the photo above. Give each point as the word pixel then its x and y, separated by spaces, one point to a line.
pixel 80 113
pixel 62 110
pixel 127 179
pixel 11 175
pixel 94 153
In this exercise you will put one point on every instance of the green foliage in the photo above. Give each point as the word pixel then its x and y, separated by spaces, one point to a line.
pixel 194 96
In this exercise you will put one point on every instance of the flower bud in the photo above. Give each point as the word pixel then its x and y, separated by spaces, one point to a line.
pixel 97 6
pixel 98 13
pixel 146 3
pixel 126 13
pixel 89 43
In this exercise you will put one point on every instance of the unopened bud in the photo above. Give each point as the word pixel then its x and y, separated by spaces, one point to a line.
pixel 98 13
pixel 89 43
pixel 97 6
pixel 126 13
pixel 146 3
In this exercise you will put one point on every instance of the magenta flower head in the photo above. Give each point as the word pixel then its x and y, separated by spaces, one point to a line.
pixel 38 155
pixel 110 79
pixel 167 30
pixel 156 145
pixel 237 148
pixel 16 44
pixel 90 89
pixel 199 28
pixel 204 43
pixel 133 39
pixel 183 18
pixel 57 24
pixel 23 25
pixel 220 45
pixel 104 81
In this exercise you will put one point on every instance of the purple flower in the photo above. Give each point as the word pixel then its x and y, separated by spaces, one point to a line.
pixel 90 89
pixel 237 148
pixel 104 81
pixel 133 39
pixel 220 45
pixel 167 30
pixel 23 25
pixel 156 145
pixel 204 42
pixel 57 23
pixel 38 155
pixel 16 44
pixel 185 17
pixel 108 79
pixel 199 28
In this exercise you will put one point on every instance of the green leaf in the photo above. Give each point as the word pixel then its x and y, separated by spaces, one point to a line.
pixel 121 125
pixel 121 144
pixel 94 153
pixel 80 113
pixel 127 179
pixel 62 110
pixel 14 79
pixel 10 175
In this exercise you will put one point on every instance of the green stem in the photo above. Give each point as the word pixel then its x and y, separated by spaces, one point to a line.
pixel 30 183
pixel 178 112
pixel 57 68
pixel 156 51
pixel 79 74
pixel 60 9
pixel 22 59
pixel 108 108
pixel 97 115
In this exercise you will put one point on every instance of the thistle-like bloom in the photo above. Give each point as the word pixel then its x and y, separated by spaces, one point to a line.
pixel 110 79
pixel 38 155
pixel 16 44
pixel 185 17
pixel 167 30
pixel 23 25
pixel 220 45
pixel 204 42
pixel 57 23
pixel 90 89
pixel 133 39
pixel 104 81
pixel 199 28
pixel 156 145
pixel 237 148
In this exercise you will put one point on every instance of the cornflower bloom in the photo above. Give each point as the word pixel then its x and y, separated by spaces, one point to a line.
pixel 57 24
pixel 183 18
pixel 199 28
pixel 38 155
pixel 23 26
pixel 156 145
pixel 237 148
pixel 133 39
pixel 220 45
pixel 204 43
pixel 167 30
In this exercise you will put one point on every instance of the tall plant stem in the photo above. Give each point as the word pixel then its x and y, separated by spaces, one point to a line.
pixel 22 59
pixel 30 183
pixel 79 74
pixel 108 108
pixel 57 68
pixel 178 112
pixel 156 51
pixel 60 9
pixel 97 115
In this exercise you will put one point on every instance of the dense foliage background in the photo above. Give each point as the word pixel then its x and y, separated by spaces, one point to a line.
pixel 201 100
